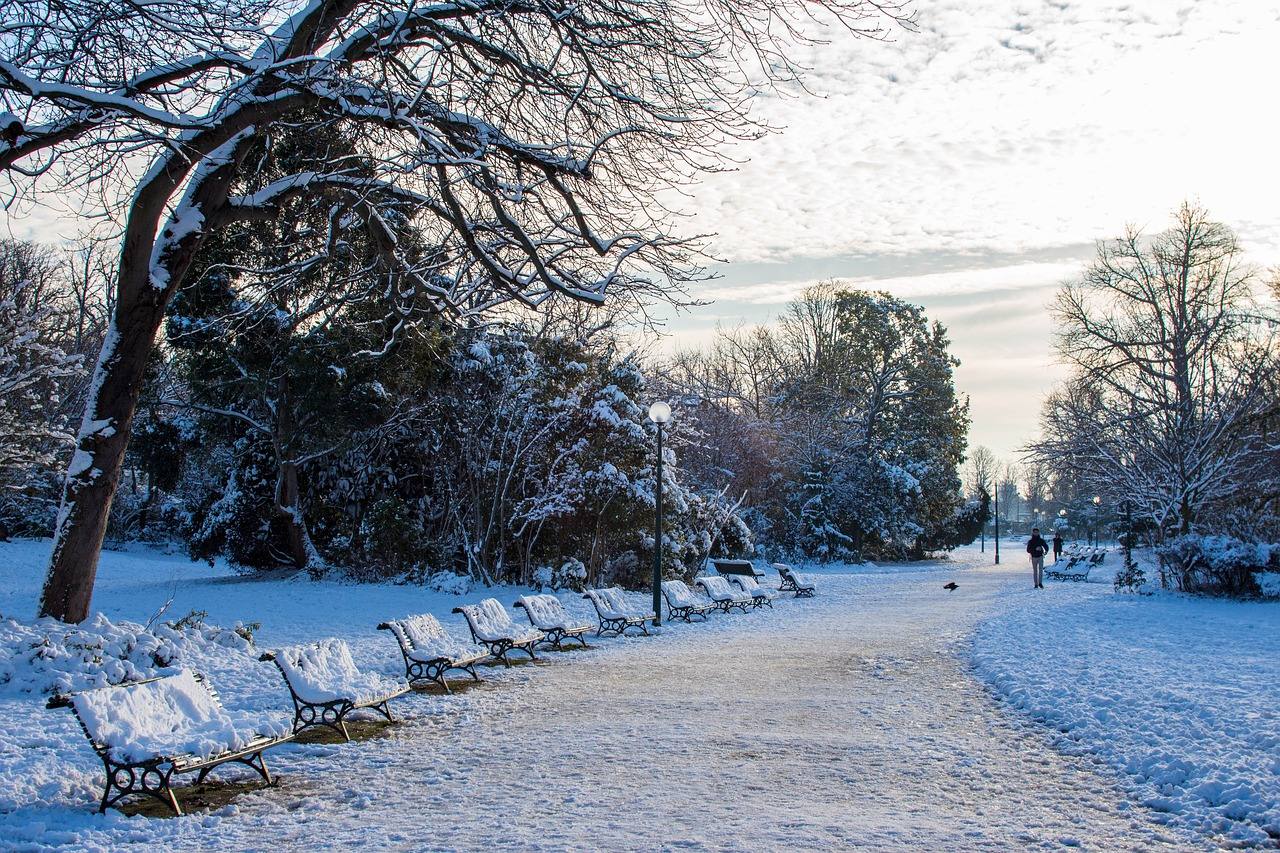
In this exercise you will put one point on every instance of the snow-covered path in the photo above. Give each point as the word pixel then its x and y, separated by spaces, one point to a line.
pixel 846 720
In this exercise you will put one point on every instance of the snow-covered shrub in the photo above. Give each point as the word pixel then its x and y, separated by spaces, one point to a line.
pixel 1131 577
pixel 450 583
pixel 1215 565
pixel 47 656
pixel 571 574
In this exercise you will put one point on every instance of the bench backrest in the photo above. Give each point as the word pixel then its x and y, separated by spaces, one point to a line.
pixel 603 608
pixel 125 716
pixel 617 600
pixel 545 611
pixel 747 583
pixel 422 631
pixel 718 588
pixel 734 567
pixel 489 619
pixel 678 594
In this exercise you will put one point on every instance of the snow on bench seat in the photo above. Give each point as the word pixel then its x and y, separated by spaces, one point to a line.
pixel 725 597
pixel 614 613
pixel 792 581
pixel 146 732
pixel 682 603
pixel 760 596
pixel 491 625
pixel 326 686
pixel 430 651
pixel 173 717
pixel 548 615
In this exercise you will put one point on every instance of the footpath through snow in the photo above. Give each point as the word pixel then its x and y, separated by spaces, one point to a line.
pixel 849 719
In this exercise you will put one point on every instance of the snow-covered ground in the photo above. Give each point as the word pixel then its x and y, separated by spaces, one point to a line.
pixel 851 719
pixel 1179 696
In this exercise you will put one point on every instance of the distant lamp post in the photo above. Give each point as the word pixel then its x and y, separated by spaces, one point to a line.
pixel 659 413
pixel 997 514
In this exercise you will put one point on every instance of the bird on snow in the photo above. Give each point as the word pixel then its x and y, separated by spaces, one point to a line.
pixel 950 587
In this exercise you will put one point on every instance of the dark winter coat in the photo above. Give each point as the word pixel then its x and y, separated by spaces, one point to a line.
pixel 1036 546
pixel 1057 545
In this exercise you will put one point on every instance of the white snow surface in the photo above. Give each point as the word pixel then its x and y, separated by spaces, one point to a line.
pixel 1178 695
pixel 852 719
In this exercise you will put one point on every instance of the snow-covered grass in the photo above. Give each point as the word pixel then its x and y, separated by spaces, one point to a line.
pixel 1178 695
pixel 841 721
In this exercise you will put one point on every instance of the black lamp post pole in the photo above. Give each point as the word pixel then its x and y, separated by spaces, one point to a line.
pixel 657 541
pixel 997 537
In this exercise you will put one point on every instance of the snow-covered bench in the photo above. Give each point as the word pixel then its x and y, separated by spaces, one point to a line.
pixel 760 596
pixel 615 615
pixel 1077 568
pixel 792 581
pixel 430 651
pixel 682 603
pixel 326 686
pixel 725 597
pixel 548 615
pixel 729 568
pixel 491 626
pixel 147 732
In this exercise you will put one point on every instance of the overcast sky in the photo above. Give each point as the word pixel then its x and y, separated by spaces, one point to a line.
pixel 970 167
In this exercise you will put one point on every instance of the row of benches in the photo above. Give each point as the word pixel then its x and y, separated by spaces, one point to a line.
pixel 146 732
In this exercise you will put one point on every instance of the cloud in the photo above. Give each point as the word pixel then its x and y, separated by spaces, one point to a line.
pixel 931 286
pixel 1011 126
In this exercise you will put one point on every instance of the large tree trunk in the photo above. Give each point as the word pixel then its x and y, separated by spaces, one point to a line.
pixel 151 266
pixel 95 469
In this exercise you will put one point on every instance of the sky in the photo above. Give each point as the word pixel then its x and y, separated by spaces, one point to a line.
pixel 971 166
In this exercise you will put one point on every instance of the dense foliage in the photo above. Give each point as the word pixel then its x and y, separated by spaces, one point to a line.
pixel 841 426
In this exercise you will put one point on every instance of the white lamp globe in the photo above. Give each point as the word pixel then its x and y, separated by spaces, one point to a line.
pixel 660 412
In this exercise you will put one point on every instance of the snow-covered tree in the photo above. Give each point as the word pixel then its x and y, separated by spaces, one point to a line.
pixel 32 436
pixel 1172 369
pixel 529 139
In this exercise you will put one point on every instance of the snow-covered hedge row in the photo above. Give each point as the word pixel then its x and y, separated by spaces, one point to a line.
pixel 1217 565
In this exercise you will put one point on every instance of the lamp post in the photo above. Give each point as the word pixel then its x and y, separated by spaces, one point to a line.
pixel 997 536
pixel 1097 502
pixel 659 413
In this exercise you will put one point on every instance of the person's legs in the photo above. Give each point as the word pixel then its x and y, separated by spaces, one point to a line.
pixel 1037 571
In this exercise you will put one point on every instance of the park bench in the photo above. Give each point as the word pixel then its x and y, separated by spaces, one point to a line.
pixel 792 581
pixel 548 615
pixel 615 615
pixel 491 626
pixel 1077 568
pixel 682 603
pixel 760 596
pixel 736 567
pixel 326 686
pixel 430 651
pixel 724 597
pixel 147 732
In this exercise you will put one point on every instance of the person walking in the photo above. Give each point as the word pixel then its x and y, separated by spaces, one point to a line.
pixel 1037 548
pixel 1057 545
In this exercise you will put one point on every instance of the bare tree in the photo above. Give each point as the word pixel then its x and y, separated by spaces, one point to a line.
pixel 982 469
pixel 1172 359
pixel 530 138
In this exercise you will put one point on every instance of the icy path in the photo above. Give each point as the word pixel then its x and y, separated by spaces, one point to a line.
pixel 846 720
